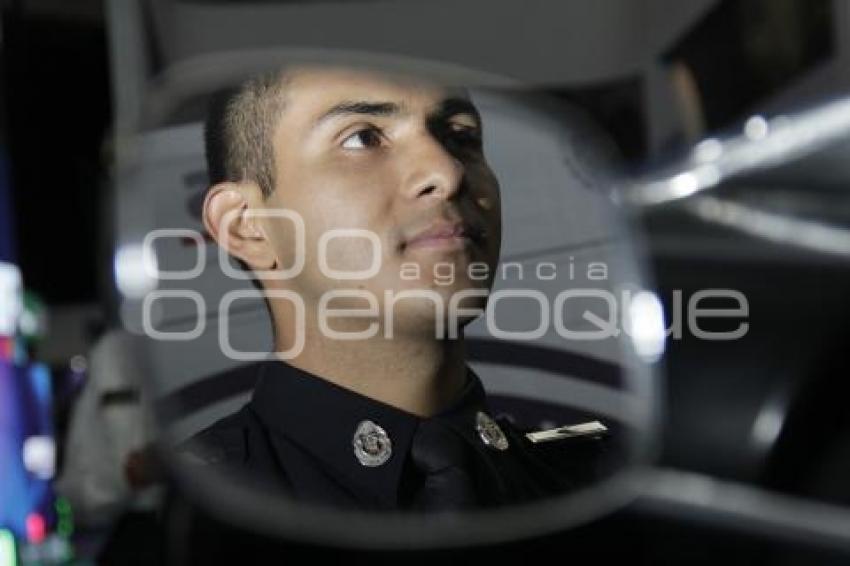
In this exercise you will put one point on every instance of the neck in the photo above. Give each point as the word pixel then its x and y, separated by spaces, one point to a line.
pixel 418 374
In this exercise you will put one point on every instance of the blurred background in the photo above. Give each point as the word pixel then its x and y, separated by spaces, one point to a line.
pixel 656 75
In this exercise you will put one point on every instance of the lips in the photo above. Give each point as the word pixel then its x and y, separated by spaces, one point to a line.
pixel 444 233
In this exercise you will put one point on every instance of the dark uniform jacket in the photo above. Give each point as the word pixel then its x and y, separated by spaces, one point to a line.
pixel 325 444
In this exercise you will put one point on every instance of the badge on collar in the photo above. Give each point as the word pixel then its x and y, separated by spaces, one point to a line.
pixel 490 433
pixel 372 445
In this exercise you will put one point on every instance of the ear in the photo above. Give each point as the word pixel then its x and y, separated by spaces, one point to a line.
pixel 241 234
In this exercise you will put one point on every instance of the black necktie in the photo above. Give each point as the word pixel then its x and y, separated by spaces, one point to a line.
pixel 442 458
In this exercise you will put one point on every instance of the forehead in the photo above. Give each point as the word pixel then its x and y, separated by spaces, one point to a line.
pixel 312 91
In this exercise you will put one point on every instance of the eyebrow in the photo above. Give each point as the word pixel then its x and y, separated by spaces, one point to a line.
pixel 360 107
pixel 448 107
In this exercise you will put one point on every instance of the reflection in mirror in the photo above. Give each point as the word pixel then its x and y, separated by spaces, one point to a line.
pixel 365 291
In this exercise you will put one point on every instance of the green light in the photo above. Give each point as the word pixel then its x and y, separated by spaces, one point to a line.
pixel 8 552
pixel 65 528
pixel 62 506
pixel 65 524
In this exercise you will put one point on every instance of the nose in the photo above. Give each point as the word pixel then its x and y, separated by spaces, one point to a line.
pixel 434 172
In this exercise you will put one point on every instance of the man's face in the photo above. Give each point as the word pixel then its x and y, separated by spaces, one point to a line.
pixel 400 159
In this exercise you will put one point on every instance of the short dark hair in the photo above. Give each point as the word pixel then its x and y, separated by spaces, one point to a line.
pixel 239 128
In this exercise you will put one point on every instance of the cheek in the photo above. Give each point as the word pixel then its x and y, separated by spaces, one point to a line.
pixel 345 225
pixel 349 253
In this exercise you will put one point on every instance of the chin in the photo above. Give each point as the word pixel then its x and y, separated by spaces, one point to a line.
pixel 424 320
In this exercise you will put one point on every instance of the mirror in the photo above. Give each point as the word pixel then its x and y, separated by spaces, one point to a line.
pixel 461 327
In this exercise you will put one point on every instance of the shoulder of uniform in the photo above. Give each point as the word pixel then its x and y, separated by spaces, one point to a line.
pixel 591 441
pixel 584 451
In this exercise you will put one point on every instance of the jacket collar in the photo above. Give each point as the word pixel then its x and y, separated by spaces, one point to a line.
pixel 322 417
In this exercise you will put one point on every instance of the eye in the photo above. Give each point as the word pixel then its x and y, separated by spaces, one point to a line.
pixel 465 134
pixel 362 139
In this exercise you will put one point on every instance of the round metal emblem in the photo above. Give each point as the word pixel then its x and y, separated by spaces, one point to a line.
pixel 490 433
pixel 371 444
